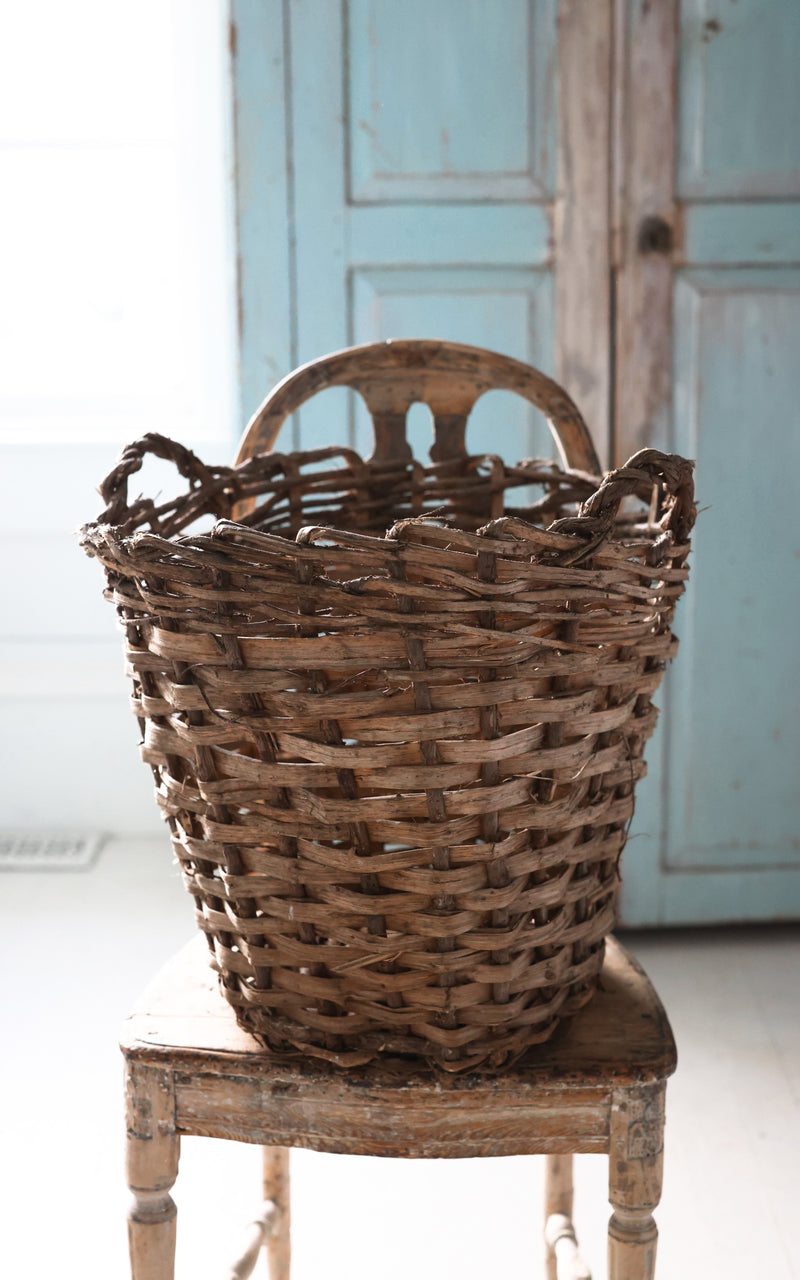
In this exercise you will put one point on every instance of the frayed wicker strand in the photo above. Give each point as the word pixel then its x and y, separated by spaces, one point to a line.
pixel 398 766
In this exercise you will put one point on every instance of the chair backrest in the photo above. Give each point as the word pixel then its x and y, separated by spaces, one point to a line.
pixel 447 376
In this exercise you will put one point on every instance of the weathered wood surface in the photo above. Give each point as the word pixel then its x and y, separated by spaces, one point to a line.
pixel 646 225
pixel 558 1188
pixel 557 1099
pixel 635 1168
pixel 447 376
pixel 152 1154
pixel 259 1232
pixel 582 212
pixel 598 1085
pixel 562 1256
pixel 277 1188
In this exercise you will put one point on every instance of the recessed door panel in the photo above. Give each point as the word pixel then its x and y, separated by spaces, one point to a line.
pixel 739 91
pixel 449 101
pixel 734 709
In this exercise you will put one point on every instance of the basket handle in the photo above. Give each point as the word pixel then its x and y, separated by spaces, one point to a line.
pixel 447 376
pixel 670 473
pixel 114 489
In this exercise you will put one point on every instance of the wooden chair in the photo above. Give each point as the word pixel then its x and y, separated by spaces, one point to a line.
pixel 597 1086
pixel 446 376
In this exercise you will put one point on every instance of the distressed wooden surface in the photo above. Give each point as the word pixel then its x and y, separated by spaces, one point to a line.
pixel 582 212
pixel 636 1159
pixel 596 1086
pixel 645 220
pixel 277 1188
pixel 557 1099
pixel 562 1258
pixel 258 1234
pixel 447 376
pixel 558 1187
pixel 565 1257
pixel 387 1122
pixel 152 1154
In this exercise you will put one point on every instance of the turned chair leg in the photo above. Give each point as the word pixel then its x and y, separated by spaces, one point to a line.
pixel 277 1189
pixel 634 1187
pixel 152 1153
pixel 562 1258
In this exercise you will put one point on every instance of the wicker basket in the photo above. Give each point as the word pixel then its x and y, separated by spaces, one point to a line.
pixel 398 767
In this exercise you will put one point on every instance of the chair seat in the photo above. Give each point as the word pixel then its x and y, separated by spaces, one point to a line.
pixel 556 1099
pixel 597 1086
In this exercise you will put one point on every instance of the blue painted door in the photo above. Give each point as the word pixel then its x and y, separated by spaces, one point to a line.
pixel 399 176
pixel 717 831
pixel 443 168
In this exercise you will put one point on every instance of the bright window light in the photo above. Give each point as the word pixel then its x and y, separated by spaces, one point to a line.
pixel 115 260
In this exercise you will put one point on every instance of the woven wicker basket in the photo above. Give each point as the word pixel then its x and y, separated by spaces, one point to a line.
pixel 398 767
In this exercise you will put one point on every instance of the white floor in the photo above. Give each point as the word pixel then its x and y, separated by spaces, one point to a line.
pixel 78 947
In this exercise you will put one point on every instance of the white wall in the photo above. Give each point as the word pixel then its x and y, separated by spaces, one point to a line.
pixel 116 318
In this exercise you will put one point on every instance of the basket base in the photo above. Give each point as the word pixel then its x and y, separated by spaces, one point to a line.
pixel 290 1041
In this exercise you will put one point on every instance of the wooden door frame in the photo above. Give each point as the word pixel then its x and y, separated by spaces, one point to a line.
pixel 645 236
pixel 645 222
pixel 582 231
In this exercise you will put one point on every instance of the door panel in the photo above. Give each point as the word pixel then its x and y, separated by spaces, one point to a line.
pixel 739 94
pixel 446 104
pixel 716 834
pixel 438 139
pixel 741 233
pixel 734 740
pixel 423 189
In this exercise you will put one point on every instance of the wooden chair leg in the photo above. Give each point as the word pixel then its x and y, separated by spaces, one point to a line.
pixel 257 1235
pixel 636 1155
pixel 557 1200
pixel 152 1153
pixel 277 1189
pixel 562 1258
pixel 558 1189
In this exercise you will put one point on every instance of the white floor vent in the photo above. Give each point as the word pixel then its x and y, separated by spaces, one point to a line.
pixel 48 850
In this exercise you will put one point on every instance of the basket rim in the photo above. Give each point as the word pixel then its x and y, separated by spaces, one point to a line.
pixel 581 534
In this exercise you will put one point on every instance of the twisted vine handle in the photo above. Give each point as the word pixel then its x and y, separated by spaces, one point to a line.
pixel 114 489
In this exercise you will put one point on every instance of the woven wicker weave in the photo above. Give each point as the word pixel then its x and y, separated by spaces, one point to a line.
pixel 398 767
